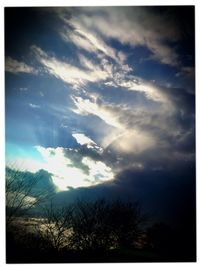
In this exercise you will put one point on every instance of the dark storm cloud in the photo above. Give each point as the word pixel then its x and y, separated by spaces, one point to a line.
pixel 76 157
pixel 164 195
pixel 162 191
pixel 83 151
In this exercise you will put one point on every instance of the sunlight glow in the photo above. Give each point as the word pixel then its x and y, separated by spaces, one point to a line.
pixel 65 172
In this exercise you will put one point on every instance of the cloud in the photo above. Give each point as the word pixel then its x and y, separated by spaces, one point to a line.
pixel 119 116
pixel 82 139
pixel 89 41
pixel 68 167
pixel 106 74
pixel 34 106
pixel 162 193
pixel 133 141
pixel 65 172
pixel 186 71
pixel 67 72
pixel 38 182
pixel 14 66
pixel 123 137
pixel 103 71
pixel 86 106
pixel 136 26
pixel 25 164
pixel 138 134
pixel 153 115
pixel 133 83
pixel 91 27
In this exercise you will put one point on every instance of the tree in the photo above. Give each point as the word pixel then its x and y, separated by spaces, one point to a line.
pixel 125 222
pixel 23 193
pixel 55 226
pixel 101 225
pixel 90 224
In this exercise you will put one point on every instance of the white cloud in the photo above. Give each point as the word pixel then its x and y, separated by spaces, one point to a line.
pixel 103 72
pixel 137 26
pixel 99 171
pixel 86 106
pixel 85 62
pixel 14 66
pixel 151 91
pixel 98 43
pixel 78 40
pixel 67 72
pixel 64 170
pixel 90 41
pixel 82 139
pixel 66 175
pixel 122 138
pixel 128 134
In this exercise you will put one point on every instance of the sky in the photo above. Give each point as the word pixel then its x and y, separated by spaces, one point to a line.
pixel 102 100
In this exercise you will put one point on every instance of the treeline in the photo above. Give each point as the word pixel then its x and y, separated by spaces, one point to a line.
pixel 97 231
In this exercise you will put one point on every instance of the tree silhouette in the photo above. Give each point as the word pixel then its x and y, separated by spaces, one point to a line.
pixel 55 226
pixel 22 193
pixel 90 224
pixel 125 222
pixel 104 225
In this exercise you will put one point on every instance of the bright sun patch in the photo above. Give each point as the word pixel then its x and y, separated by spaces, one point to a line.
pixel 66 173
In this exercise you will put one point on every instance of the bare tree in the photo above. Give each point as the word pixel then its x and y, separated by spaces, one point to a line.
pixel 104 225
pixel 55 226
pixel 126 221
pixel 22 193
pixel 90 224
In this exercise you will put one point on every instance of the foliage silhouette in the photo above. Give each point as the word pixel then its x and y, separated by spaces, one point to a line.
pixel 99 231
pixel 104 225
